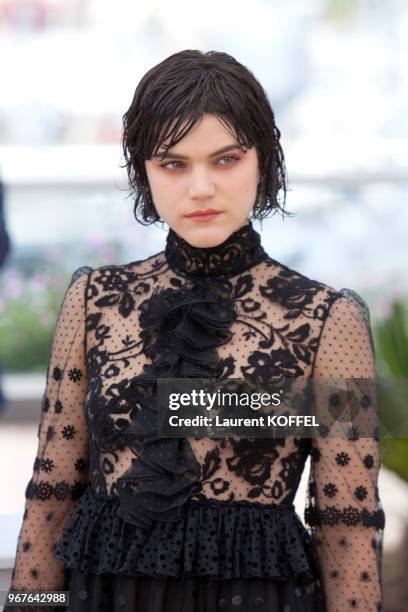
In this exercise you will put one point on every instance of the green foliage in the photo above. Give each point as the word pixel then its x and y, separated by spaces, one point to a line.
pixel 27 325
pixel 391 339
pixel 32 288
pixel 391 335
pixel 394 455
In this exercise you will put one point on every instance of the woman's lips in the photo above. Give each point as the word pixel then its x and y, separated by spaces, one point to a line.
pixel 201 218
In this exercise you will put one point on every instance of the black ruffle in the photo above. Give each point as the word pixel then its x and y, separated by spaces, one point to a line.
pixel 221 539
pixel 181 327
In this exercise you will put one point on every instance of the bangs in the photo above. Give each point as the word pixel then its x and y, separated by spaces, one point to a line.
pixel 178 109
pixel 176 129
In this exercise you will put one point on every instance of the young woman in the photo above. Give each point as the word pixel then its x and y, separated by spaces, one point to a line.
pixel 127 519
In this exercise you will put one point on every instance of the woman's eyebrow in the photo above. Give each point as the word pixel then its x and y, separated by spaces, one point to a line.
pixel 180 156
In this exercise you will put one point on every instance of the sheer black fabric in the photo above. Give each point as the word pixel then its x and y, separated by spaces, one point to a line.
pixel 116 593
pixel 112 502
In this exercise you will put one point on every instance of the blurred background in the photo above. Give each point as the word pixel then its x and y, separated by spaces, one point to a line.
pixel 335 73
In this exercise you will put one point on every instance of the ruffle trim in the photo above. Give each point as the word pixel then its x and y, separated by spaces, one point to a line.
pixel 221 539
pixel 181 328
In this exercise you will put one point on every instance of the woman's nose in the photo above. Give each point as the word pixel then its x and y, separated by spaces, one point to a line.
pixel 201 184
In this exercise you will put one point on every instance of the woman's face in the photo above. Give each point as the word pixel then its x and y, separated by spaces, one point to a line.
pixel 197 175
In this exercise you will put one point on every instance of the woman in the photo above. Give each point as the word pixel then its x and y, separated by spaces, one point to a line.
pixel 127 519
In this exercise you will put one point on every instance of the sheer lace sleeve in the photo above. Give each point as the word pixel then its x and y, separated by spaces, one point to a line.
pixel 60 467
pixel 343 506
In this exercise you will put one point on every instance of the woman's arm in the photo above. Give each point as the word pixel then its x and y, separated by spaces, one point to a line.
pixel 344 509
pixel 60 470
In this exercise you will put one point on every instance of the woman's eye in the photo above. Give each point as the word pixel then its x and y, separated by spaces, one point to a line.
pixel 173 164
pixel 169 163
pixel 233 157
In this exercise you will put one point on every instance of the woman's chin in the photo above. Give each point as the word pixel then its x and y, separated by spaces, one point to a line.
pixel 205 238
pixel 209 234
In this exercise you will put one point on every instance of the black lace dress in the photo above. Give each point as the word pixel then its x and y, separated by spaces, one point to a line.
pixel 126 519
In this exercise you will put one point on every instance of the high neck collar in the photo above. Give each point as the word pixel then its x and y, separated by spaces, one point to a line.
pixel 239 252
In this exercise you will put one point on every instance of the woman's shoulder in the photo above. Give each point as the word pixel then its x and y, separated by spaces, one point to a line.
pixel 295 285
pixel 116 285
pixel 297 289
pixel 124 271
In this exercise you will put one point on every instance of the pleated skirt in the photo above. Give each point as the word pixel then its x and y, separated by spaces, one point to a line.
pixel 120 593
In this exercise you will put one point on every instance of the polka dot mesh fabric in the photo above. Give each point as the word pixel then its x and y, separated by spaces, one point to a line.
pixel 113 503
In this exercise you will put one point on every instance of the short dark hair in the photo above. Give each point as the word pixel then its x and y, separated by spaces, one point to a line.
pixel 177 92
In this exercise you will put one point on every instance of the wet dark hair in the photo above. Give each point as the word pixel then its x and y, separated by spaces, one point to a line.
pixel 172 97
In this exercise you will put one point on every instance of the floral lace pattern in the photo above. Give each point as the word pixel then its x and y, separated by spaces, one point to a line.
pixel 230 311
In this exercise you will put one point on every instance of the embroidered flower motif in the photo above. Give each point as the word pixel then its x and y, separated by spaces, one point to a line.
pixel 263 367
pixel 351 516
pixel 80 465
pixel 113 278
pixel 360 493
pixel 330 489
pixel 115 281
pixel 68 432
pixel 296 294
pixel 342 458
pixel 43 490
pixel 331 515
pixel 373 519
pixel 62 490
pixel 75 374
pixel 368 461
pixel 253 461
pixel 47 465
pixel 58 407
